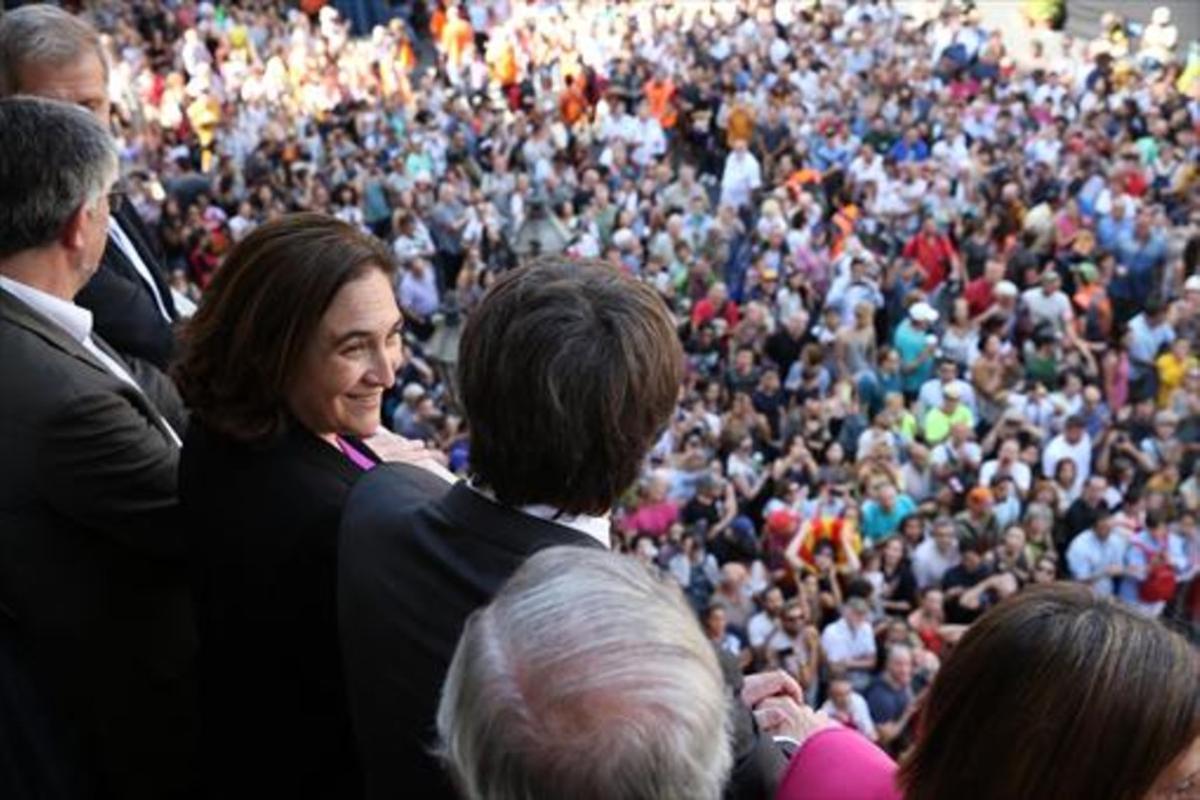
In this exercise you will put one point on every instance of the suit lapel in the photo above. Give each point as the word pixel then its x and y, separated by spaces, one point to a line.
pixel 131 224
pixel 135 229
pixel 115 257
pixel 20 314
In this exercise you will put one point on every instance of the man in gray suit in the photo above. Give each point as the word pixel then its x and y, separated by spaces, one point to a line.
pixel 93 597
pixel 48 52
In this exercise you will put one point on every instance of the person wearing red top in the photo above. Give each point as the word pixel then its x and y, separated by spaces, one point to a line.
pixel 715 304
pixel 980 293
pixel 934 252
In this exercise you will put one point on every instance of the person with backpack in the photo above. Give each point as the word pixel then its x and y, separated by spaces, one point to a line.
pixel 1155 560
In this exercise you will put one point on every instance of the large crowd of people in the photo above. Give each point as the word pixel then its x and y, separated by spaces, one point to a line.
pixel 907 330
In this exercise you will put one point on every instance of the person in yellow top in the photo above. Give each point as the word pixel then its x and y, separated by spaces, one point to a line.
pixel 939 420
pixel 904 423
pixel 502 59
pixel 204 113
pixel 1172 366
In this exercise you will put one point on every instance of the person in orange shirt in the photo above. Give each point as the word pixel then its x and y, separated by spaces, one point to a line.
pixel 437 22
pixel 844 221
pixel 740 124
pixel 802 178
pixel 1093 309
pixel 660 94
pixel 457 39
pixel 573 103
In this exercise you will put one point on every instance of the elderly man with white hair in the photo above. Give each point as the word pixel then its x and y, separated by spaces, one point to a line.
pixel 586 677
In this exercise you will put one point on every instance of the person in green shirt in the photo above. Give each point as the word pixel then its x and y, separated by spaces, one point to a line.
pixel 951 412
pixel 1041 362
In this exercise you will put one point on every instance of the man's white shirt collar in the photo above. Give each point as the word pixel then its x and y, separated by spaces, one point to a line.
pixel 598 528
pixel 75 320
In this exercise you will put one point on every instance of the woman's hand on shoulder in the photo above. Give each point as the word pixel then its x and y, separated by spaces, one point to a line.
pixel 396 449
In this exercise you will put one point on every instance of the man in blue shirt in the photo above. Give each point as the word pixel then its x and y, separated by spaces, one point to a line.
pixel 1113 227
pixel 1140 255
pixel 909 148
pixel 891 695
pixel 883 514
pixel 1097 556
pixel 916 346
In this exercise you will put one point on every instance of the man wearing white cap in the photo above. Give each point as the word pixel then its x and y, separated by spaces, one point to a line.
pixel 916 345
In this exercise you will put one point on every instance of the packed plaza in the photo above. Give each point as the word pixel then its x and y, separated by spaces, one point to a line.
pixel 938 300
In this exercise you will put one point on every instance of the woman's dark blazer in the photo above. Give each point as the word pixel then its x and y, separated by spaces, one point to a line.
pixel 262 526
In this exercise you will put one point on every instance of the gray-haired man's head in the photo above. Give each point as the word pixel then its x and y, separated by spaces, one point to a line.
pixel 586 677
pixel 47 52
pixel 57 163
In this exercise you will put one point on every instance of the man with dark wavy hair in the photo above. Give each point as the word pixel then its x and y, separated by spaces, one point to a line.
pixel 569 371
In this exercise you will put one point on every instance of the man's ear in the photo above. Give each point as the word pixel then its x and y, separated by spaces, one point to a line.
pixel 74 233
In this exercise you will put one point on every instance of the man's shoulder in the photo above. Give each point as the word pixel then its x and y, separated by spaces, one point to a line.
pixel 33 365
pixel 836 628
pixel 391 491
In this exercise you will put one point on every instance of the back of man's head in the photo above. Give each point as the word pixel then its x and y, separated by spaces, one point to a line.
pixel 56 158
pixel 586 677
pixel 569 371
pixel 42 36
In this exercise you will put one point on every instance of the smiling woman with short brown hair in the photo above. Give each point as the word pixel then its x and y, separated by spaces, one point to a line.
pixel 283 366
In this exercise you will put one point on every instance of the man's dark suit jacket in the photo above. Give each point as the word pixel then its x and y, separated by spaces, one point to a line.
pixel 92 578
pixel 416 558
pixel 262 523
pixel 123 308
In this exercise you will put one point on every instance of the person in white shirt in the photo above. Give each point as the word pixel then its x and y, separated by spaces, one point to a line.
pixel 764 623
pixel 849 707
pixel 1075 444
pixel 1048 304
pixel 1007 462
pixel 849 643
pixel 934 556
pixel 742 176
pixel 867 167
pixel 647 138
